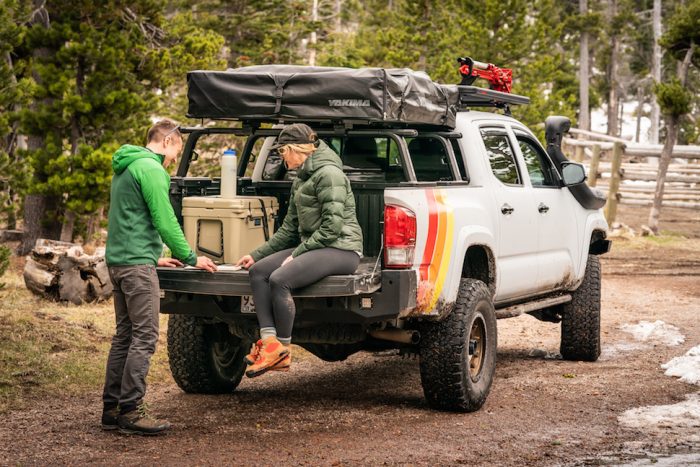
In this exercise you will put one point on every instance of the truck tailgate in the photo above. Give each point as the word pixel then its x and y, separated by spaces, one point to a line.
pixel 236 283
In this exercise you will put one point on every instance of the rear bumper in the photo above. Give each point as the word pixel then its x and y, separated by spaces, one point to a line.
pixel 358 298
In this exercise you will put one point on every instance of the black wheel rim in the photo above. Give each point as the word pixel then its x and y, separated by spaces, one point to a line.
pixel 226 355
pixel 476 353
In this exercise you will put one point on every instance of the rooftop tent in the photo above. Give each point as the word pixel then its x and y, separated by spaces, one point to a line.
pixel 285 92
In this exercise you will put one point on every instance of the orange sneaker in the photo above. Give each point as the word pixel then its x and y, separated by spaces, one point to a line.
pixel 271 353
pixel 254 352
pixel 284 364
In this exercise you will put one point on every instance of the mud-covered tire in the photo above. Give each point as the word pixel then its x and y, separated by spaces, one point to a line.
pixel 332 352
pixel 205 358
pixel 458 354
pixel 580 318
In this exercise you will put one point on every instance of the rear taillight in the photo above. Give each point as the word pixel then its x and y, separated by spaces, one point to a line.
pixel 399 237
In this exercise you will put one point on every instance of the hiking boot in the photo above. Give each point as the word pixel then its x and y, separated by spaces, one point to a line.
pixel 271 353
pixel 140 422
pixel 284 364
pixel 254 352
pixel 109 419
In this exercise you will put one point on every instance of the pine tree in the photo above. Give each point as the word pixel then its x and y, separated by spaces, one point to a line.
pixel 102 72
pixel 675 100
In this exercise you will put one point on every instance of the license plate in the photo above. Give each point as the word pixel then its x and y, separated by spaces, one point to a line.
pixel 247 304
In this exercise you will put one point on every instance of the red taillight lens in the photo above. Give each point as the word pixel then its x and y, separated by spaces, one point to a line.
pixel 399 237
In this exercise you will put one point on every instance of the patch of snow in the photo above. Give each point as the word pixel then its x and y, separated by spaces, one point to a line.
pixel 686 367
pixel 661 460
pixel 658 331
pixel 609 352
pixel 683 416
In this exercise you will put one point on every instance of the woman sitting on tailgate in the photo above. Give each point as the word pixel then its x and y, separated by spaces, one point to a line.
pixel 320 236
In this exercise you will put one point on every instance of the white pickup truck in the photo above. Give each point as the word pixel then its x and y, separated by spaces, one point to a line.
pixel 462 226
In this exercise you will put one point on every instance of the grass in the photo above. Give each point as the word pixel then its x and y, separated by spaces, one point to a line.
pixel 49 348
pixel 665 240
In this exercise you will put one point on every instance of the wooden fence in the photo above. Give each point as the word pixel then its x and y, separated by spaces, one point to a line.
pixel 627 171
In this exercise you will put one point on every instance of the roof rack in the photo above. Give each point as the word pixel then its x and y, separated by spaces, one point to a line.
pixel 473 96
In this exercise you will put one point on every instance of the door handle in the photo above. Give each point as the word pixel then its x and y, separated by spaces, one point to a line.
pixel 542 208
pixel 507 209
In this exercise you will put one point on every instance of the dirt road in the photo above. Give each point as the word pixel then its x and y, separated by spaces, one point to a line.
pixel 370 409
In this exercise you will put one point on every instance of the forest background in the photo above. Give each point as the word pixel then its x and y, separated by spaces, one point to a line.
pixel 80 78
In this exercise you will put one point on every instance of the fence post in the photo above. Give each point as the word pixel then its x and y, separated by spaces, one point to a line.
pixel 578 154
pixel 593 167
pixel 615 176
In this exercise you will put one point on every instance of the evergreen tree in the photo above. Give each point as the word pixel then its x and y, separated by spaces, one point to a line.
pixel 675 99
pixel 106 71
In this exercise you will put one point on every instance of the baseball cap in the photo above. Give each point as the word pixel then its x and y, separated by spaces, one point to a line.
pixel 296 133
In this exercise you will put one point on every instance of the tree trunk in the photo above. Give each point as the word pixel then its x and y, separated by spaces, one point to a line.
pixel 672 125
pixel 665 160
pixel 67 228
pixel 584 118
pixel 655 71
pixel 34 208
pixel 93 225
pixel 640 108
pixel 36 205
pixel 313 39
pixel 613 96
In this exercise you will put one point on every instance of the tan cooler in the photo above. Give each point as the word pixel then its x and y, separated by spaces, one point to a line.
pixel 226 229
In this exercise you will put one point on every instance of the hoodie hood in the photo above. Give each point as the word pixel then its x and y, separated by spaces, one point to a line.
pixel 127 154
pixel 321 157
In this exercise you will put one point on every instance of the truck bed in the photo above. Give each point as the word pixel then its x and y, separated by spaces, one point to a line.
pixel 236 283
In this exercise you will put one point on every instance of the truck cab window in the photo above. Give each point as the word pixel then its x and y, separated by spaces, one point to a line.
pixel 539 167
pixel 430 160
pixel 371 159
pixel 501 156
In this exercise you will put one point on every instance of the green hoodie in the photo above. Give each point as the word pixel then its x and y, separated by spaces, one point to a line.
pixel 140 213
pixel 321 209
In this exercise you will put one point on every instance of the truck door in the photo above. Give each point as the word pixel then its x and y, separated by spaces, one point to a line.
pixel 558 242
pixel 513 209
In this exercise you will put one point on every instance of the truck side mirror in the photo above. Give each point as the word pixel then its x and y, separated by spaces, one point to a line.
pixel 573 173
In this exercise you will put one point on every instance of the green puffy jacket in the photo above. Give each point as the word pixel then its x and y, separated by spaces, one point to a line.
pixel 321 209
pixel 140 213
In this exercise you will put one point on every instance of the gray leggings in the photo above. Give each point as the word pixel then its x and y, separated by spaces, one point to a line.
pixel 272 285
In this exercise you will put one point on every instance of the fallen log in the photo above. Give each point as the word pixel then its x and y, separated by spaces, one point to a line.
pixel 63 272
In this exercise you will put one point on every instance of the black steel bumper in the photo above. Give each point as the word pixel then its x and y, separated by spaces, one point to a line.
pixel 358 298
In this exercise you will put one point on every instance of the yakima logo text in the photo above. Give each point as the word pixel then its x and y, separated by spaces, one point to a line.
pixel 348 102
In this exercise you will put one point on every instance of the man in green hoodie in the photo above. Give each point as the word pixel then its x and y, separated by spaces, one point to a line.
pixel 141 219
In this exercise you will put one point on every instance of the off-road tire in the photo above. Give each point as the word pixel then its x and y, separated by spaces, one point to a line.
pixel 449 382
pixel 205 358
pixel 332 352
pixel 580 318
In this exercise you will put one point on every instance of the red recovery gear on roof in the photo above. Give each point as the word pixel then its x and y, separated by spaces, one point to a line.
pixel 500 79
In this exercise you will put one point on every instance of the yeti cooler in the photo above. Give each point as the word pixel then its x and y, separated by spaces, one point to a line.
pixel 226 229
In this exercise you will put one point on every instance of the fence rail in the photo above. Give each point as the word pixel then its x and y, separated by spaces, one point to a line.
pixel 627 171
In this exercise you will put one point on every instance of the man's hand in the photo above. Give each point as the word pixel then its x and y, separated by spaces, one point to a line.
pixel 287 261
pixel 205 263
pixel 169 263
pixel 246 261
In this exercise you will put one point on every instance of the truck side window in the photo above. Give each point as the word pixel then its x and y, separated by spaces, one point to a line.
pixel 540 168
pixel 430 160
pixel 501 157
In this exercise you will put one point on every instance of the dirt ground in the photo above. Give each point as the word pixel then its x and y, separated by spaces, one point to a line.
pixel 369 409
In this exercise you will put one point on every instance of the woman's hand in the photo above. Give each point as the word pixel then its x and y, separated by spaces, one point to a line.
pixel 246 261
pixel 287 261
pixel 169 263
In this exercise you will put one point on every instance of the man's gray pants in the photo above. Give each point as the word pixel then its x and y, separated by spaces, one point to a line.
pixel 136 308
